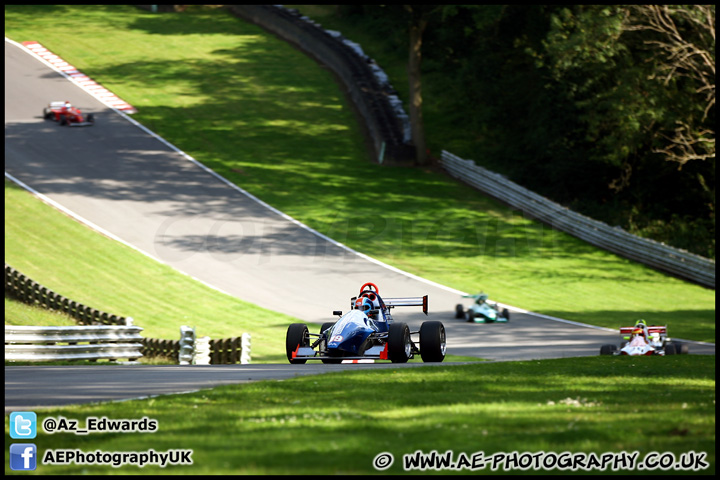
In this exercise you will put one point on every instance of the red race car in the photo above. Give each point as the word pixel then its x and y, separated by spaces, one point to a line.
pixel 65 114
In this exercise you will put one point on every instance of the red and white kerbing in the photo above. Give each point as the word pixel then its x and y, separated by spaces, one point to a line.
pixel 85 82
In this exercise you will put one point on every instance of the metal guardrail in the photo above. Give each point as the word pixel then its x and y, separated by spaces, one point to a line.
pixel 89 342
pixel 649 252
pixel 102 339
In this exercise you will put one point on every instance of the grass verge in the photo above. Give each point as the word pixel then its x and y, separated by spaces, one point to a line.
pixel 337 423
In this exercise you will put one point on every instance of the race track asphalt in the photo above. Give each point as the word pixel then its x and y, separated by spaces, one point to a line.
pixel 141 190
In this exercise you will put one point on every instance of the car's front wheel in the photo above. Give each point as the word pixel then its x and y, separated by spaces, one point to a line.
pixel 323 345
pixel 298 335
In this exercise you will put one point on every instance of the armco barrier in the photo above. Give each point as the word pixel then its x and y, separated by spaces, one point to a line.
pixel 89 342
pixel 100 328
pixel 649 252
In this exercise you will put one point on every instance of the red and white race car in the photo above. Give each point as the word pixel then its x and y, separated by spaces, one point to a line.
pixel 642 339
pixel 65 114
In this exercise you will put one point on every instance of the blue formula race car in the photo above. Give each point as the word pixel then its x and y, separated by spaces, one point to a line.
pixel 368 331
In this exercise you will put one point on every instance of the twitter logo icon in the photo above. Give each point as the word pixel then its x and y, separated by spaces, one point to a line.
pixel 23 425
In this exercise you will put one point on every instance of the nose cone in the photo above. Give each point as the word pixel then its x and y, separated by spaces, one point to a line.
pixel 350 332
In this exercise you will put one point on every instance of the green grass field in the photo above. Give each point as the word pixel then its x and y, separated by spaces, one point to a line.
pixel 337 423
pixel 256 108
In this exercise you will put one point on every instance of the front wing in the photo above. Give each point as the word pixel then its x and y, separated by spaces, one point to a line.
pixel 378 352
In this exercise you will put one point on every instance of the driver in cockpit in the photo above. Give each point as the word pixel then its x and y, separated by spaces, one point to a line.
pixel 364 304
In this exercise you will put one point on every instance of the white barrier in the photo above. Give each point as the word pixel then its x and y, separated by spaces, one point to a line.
pixel 245 344
pixel 649 252
pixel 91 342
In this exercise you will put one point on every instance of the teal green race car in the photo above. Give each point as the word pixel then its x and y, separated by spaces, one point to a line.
pixel 481 311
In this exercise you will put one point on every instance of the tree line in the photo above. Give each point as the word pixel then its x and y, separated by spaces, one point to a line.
pixel 607 109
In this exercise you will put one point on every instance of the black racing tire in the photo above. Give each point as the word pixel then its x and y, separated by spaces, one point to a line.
pixel 399 343
pixel 297 334
pixel 91 118
pixel 470 316
pixel 459 311
pixel 670 349
pixel 506 314
pixel 432 341
pixel 324 327
pixel 607 349
pixel 681 348
pixel 47 113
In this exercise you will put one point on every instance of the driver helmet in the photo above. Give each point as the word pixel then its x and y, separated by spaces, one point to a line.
pixel 640 322
pixel 363 304
pixel 637 331
pixel 373 298
pixel 67 104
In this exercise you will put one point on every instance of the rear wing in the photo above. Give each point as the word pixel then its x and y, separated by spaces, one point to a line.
pixel 408 302
pixel 659 329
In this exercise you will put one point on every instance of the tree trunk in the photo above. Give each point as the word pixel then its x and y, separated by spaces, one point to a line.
pixel 416 119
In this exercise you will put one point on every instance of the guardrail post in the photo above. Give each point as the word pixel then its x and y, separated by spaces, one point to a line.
pixel 187 345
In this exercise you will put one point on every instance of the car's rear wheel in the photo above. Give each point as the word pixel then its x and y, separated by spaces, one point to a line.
pixel 459 311
pixel 607 349
pixel 470 316
pixel 681 348
pixel 297 335
pixel 399 343
pixel 670 349
pixel 432 341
